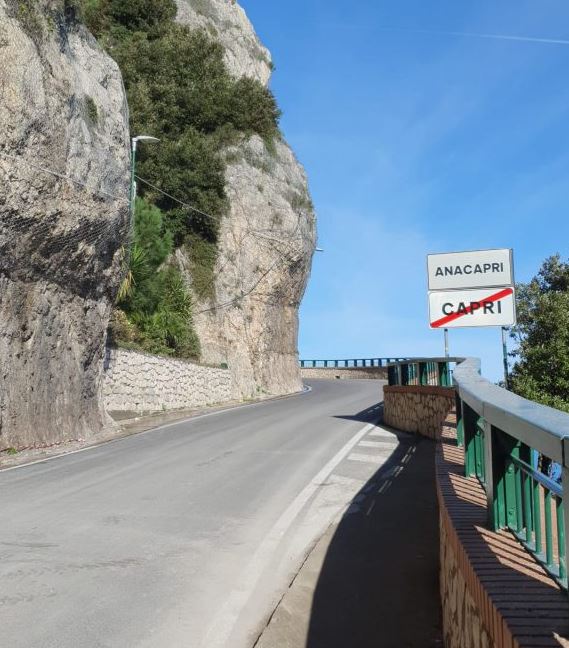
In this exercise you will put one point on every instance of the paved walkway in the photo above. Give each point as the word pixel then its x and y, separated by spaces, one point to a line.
pixel 372 580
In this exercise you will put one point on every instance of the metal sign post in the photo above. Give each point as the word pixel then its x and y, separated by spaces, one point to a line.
pixel 446 343
pixel 505 353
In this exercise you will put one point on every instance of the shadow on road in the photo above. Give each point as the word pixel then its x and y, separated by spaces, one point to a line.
pixel 369 415
pixel 378 585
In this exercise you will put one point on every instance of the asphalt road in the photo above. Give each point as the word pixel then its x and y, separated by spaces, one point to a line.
pixel 183 536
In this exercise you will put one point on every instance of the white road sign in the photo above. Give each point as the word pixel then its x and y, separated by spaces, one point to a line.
pixel 480 307
pixel 477 269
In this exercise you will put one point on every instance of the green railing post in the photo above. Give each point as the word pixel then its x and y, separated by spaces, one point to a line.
pixel 479 443
pixel 548 530
pixel 423 373
pixel 496 479
pixel 528 509
pixel 443 374
pixel 565 482
pixel 561 538
pixel 537 516
pixel 493 469
pixel 510 482
pixel 459 421
pixel 470 419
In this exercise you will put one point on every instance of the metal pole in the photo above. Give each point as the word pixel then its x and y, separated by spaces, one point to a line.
pixel 132 187
pixel 505 354
pixel 446 343
pixel 134 143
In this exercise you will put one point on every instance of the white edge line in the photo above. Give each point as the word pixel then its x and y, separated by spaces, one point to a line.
pixel 222 627
pixel 306 390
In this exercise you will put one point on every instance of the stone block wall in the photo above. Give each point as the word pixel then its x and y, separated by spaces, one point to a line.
pixel 419 409
pixel 342 373
pixel 462 620
pixel 139 382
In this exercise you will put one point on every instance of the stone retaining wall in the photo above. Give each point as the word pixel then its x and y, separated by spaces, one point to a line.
pixel 340 373
pixel 462 619
pixel 419 409
pixel 139 382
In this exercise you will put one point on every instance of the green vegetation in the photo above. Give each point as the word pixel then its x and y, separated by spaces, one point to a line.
pixel 541 372
pixel 154 305
pixel 180 91
pixel 92 110
pixel 26 11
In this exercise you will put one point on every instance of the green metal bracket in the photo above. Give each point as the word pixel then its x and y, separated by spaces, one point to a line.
pixel 423 373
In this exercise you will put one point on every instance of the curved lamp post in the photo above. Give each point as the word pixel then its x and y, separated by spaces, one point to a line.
pixel 134 141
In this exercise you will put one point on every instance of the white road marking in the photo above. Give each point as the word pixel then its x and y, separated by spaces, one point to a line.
pixel 368 458
pixel 382 433
pixel 384 486
pixel 389 473
pixel 222 627
pixel 372 444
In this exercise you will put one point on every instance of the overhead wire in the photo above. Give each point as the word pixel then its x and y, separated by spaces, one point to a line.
pixel 180 202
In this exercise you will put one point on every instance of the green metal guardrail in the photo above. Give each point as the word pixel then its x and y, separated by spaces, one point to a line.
pixel 360 362
pixel 505 437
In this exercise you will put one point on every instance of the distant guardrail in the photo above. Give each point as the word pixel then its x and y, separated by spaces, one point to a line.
pixel 504 438
pixel 339 364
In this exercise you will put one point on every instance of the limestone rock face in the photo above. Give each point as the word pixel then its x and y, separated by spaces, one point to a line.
pixel 63 218
pixel 227 22
pixel 266 242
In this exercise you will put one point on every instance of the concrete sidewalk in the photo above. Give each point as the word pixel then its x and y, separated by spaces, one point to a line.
pixel 372 580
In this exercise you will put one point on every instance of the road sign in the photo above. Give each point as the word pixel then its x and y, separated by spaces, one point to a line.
pixel 479 307
pixel 476 269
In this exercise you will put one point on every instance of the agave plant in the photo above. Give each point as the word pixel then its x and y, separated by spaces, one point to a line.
pixel 137 268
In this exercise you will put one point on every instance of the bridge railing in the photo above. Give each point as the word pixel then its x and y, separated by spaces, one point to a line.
pixel 350 363
pixel 507 442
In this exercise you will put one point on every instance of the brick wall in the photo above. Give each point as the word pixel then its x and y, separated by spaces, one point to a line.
pixel 419 409
pixel 494 593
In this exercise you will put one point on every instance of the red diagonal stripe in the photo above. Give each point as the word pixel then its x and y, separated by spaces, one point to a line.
pixel 492 298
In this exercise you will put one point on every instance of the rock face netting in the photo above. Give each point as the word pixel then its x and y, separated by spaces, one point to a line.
pixel 64 219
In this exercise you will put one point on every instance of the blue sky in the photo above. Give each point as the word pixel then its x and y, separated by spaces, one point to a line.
pixel 419 142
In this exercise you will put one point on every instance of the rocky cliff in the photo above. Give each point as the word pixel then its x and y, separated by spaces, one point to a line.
pixel 63 219
pixel 267 240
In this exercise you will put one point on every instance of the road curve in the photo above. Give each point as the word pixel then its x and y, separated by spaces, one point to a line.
pixel 184 536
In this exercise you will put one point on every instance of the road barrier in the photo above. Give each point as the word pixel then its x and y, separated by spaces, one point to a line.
pixel 339 364
pixel 507 440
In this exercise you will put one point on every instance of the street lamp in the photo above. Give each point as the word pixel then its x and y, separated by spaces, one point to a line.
pixel 135 140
